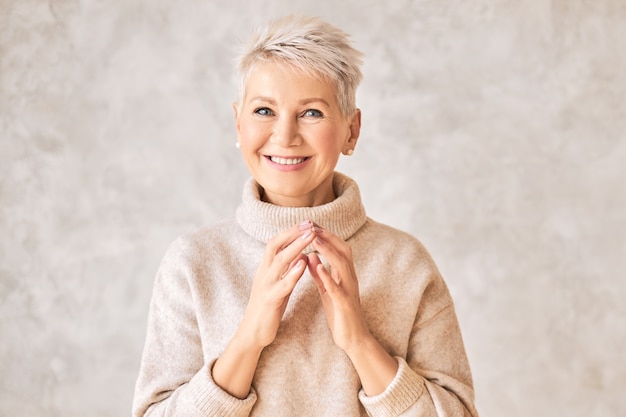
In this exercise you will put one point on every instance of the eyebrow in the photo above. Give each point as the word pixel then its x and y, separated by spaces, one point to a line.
pixel 303 101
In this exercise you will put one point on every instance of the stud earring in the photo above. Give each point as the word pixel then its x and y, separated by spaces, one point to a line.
pixel 349 152
pixel 237 145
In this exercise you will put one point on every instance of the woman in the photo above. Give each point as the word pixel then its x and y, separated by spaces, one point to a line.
pixel 300 305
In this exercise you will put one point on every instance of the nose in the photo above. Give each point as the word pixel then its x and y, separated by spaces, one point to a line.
pixel 286 133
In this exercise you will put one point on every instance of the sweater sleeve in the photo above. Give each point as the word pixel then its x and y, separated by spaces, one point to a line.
pixel 174 377
pixel 434 380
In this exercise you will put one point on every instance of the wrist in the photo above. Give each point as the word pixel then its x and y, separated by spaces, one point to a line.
pixel 253 333
pixel 234 369
pixel 374 365
pixel 360 344
pixel 245 342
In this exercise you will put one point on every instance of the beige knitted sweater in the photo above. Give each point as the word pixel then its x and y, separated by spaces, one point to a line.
pixel 201 291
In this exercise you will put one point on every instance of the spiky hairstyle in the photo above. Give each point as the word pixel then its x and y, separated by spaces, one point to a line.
pixel 310 45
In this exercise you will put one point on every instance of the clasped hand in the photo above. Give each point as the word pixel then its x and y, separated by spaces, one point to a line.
pixel 282 266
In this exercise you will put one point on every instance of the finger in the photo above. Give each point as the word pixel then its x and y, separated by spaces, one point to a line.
pixel 286 237
pixel 283 259
pixel 283 249
pixel 293 275
pixel 329 238
pixel 341 264
pixel 339 259
pixel 330 286
pixel 313 262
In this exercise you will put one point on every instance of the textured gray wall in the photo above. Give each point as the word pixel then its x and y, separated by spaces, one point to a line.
pixel 493 130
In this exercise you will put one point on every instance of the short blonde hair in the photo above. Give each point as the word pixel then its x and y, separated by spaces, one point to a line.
pixel 310 45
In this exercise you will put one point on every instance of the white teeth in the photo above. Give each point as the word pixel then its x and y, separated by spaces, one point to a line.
pixel 285 161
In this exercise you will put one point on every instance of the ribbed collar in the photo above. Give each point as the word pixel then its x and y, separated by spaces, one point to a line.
pixel 342 216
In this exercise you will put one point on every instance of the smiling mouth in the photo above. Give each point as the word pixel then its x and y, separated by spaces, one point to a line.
pixel 286 161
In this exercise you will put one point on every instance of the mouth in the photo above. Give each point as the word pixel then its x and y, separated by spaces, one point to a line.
pixel 286 161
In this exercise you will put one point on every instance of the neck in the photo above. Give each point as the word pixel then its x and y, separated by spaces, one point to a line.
pixel 324 194
pixel 343 215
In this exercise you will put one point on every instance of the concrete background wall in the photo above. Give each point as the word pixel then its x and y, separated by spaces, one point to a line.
pixel 494 131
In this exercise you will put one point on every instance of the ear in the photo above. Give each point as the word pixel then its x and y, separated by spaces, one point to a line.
pixel 236 110
pixel 355 131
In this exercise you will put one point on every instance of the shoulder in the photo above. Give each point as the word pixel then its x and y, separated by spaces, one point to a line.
pixel 194 246
pixel 404 261
pixel 377 237
pixel 195 258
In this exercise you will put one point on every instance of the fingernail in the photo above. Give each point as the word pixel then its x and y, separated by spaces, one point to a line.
pixel 318 229
pixel 306 235
pixel 305 225
pixel 319 241
pixel 298 264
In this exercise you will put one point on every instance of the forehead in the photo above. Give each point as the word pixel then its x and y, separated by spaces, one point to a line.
pixel 287 82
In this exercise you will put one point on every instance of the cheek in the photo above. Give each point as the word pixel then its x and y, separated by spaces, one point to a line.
pixel 329 141
pixel 251 134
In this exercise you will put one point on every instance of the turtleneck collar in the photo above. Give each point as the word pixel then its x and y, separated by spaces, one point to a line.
pixel 342 216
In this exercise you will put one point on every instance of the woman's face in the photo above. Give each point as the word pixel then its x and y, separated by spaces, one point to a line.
pixel 291 132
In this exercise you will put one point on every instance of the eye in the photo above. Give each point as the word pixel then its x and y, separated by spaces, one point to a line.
pixel 312 113
pixel 263 111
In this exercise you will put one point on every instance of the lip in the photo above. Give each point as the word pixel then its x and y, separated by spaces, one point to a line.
pixel 287 167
